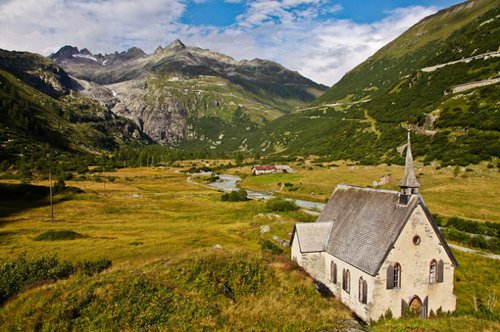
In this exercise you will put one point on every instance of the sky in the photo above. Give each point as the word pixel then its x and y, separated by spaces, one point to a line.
pixel 321 39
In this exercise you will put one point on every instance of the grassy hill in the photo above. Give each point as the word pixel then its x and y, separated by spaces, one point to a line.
pixel 364 116
pixel 178 265
pixel 41 113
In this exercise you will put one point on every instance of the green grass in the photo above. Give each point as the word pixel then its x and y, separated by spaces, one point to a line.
pixel 444 192
pixel 161 233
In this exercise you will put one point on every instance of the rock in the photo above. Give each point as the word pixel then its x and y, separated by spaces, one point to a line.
pixel 217 247
pixel 264 229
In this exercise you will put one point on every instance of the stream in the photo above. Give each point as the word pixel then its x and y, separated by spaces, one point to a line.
pixel 228 182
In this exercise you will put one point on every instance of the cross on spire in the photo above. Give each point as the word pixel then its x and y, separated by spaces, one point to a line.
pixel 409 184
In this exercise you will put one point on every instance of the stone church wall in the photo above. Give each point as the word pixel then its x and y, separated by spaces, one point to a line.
pixel 415 262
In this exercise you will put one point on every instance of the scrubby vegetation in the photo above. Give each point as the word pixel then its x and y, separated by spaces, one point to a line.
pixel 56 235
pixel 280 205
pixel 22 273
pixel 484 235
pixel 235 196
pixel 225 275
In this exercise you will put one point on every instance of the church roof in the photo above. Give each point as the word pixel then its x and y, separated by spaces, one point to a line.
pixel 366 224
pixel 312 237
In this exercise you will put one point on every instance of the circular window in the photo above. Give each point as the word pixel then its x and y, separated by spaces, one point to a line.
pixel 416 240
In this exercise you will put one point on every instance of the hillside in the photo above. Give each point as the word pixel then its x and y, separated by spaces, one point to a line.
pixel 417 82
pixel 188 94
pixel 184 260
pixel 40 110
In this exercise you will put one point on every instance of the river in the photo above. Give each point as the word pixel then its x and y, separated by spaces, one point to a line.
pixel 228 182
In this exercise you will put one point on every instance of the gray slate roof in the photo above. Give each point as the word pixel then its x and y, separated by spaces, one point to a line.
pixel 366 224
pixel 312 237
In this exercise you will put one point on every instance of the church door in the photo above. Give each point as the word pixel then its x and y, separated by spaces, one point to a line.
pixel 415 305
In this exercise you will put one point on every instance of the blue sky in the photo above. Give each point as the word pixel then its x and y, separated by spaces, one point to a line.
pixel 224 13
pixel 322 39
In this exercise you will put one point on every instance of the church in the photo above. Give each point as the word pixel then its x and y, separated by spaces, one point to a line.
pixel 379 251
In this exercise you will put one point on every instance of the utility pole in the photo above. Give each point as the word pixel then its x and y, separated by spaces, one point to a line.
pixel 102 175
pixel 51 200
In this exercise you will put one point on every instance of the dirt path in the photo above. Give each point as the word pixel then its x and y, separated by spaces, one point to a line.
pixel 464 249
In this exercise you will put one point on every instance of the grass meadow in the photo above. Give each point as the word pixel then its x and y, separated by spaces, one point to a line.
pixel 467 192
pixel 184 260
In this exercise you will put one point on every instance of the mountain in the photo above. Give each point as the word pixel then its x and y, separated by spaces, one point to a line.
pixel 439 79
pixel 181 94
pixel 40 107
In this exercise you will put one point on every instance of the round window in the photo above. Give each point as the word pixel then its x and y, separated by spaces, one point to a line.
pixel 416 240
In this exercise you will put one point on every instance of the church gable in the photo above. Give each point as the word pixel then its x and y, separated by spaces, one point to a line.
pixel 421 231
pixel 366 222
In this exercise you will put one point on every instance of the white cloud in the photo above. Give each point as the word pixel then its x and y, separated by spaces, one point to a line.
pixel 44 26
pixel 323 51
pixel 294 33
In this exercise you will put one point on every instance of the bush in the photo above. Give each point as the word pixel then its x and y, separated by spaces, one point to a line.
pixel 280 205
pixel 93 267
pixel 235 196
pixel 59 186
pixel 21 273
pixel 270 246
pixel 230 277
pixel 55 235
pixel 82 169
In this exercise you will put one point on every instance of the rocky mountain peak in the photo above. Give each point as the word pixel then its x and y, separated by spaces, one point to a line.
pixel 85 51
pixel 176 45
pixel 158 50
pixel 132 53
pixel 64 52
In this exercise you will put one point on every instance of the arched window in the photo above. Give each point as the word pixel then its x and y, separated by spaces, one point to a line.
pixel 440 271
pixel 360 290
pixel 394 276
pixel 363 290
pixel 397 276
pixel 333 272
pixel 346 281
pixel 432 272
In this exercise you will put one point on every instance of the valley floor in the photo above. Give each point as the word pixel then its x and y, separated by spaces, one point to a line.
pixel 182 259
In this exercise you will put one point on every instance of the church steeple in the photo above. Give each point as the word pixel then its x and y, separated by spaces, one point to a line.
pixel 409 184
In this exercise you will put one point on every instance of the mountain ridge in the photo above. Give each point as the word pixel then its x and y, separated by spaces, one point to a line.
pixel 182 87
pixel 364 116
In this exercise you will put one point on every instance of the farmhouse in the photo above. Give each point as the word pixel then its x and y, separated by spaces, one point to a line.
pixel 267 169
pixel 379 251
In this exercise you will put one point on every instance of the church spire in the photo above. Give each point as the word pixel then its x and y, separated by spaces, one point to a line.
pixel 409 184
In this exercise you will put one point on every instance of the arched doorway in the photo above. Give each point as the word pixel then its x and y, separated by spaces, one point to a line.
pixel 415 306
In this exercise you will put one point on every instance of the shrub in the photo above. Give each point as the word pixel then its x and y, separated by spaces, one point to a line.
pixel 93 267
pixel 21 273
pixel 82 169
pixel 55 235
pixel 235 196
pixel 59 186
pixel 270 246
pixel 230 277
pixel 280 205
